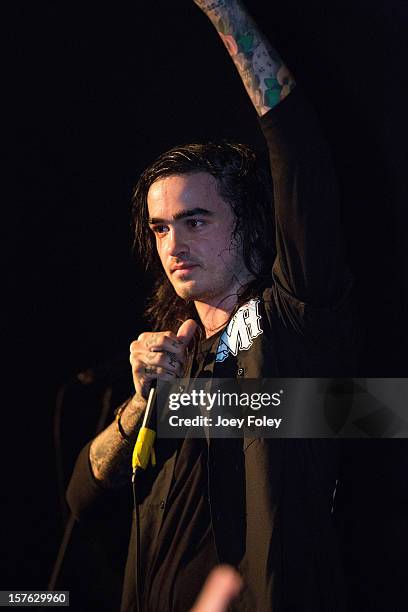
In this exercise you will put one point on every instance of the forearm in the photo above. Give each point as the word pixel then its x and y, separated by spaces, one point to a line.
pixel 263 72
pixel 110 455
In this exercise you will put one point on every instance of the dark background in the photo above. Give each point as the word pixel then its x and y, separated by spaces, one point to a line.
pixel 96 93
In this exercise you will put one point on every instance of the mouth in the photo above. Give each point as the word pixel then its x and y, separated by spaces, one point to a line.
pixel 181 270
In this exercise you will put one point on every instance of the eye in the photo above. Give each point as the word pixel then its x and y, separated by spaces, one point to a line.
pixel 195 223
pixel 159 229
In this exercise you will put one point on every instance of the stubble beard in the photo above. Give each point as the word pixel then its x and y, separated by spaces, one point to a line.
pixel 218 287
pixel 206 294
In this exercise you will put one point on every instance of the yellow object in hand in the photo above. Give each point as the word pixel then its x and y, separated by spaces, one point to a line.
pixel 144 450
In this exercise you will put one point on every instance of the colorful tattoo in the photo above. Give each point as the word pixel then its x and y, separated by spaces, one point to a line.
pixel 265 76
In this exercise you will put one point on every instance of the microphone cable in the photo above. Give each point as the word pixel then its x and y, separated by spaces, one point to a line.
pixel 142 453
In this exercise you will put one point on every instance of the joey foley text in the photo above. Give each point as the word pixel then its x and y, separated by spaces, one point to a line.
pixel 207 401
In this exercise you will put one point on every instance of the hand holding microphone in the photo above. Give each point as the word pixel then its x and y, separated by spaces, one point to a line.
pixel 159 356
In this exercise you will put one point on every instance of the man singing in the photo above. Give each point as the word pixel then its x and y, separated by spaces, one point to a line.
pixel 251 285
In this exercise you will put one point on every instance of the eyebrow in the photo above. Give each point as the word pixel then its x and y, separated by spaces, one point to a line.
pixel 192 212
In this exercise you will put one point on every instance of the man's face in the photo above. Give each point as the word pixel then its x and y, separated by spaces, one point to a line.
pixel 193 228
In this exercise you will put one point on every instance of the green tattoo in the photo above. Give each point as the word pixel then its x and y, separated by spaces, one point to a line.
pixel 246 42
pixel 265 76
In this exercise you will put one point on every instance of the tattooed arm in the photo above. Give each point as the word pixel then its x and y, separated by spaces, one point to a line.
pixel 265 76
pixel 109 454
pixel 153 356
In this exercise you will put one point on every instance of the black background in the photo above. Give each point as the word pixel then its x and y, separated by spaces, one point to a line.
pixel 96 93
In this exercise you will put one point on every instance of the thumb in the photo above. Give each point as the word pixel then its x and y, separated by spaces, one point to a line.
pixel 186 331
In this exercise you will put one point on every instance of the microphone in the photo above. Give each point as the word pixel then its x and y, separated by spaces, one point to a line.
pixel 144 450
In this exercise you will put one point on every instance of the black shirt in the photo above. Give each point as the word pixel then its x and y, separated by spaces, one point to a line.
pixel 185 551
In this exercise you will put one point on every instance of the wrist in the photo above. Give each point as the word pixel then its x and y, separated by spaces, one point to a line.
pixel 127 418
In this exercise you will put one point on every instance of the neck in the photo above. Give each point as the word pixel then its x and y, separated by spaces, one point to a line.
pixel 214 317
pixel 214 312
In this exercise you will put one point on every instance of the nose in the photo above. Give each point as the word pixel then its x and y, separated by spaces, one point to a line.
pixel 176 243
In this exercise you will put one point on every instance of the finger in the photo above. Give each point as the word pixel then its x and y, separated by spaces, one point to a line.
pixel 173 361
pixel 151 365
pixel 165 359
pixel 171 346
pixel 220 588
pixel 186 331
pixel 144 382
pixel 152 372
pixel 167 338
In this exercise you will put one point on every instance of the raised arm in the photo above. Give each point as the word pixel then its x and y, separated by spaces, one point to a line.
pixel 265 76
pixel 310 264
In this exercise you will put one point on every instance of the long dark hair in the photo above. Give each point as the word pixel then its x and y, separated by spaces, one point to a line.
pixel 244 184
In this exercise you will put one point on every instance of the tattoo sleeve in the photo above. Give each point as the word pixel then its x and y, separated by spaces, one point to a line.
pixel 263 73
pixel 110 455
